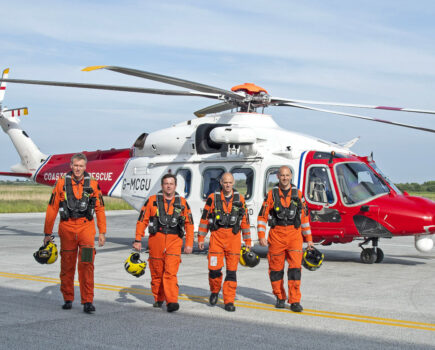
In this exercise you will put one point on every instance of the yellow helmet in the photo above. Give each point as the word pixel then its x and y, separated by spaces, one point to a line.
pixel 312 259
pixel 47 254
pixel 248 258
pixel 134 266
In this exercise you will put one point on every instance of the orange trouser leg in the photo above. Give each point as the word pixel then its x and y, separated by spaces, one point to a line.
pixel 74 235
pixel 232 254
pixel 68 261
pixel 276 273
pixel 294 259
pixel 86 239
pixel 156 268
pixel 215 264
pixel 230 283
pixel 165 258
pixel 170 282
pixel 86 273
pixel 172 256
pixel 156 245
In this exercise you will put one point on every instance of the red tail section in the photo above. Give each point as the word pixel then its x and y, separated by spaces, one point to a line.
pixel 105 166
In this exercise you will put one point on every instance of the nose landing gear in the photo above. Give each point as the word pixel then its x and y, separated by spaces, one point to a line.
pixel 371 255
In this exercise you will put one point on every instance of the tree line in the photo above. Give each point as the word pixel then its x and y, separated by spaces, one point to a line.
pixel 428 186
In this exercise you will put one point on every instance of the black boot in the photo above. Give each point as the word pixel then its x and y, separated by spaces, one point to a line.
pixel 67 305
pixel 88 308
pixel 213 299
pixel 158 304
pixel 171 307
pixel 230 307
pixel 280 303
pixel 296 307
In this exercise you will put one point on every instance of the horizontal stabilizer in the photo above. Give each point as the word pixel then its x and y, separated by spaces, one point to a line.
pixel 3 173
pixel 16 112
pixel 3 84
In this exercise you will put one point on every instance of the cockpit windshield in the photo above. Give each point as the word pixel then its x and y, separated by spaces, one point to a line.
pixel 393 186
pixel 358 183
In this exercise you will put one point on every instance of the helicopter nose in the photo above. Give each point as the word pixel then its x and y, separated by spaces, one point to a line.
pixel 408 215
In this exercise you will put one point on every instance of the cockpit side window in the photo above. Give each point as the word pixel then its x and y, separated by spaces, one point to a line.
pixel 358 183
pixel 211 178
pixel 319 188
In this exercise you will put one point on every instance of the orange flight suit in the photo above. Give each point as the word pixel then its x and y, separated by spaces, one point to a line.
pixel 285 242
pixel 223 243
pixel 164 249
pixel 76 234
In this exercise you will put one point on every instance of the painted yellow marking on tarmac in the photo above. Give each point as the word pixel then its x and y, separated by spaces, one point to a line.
pixel 245 304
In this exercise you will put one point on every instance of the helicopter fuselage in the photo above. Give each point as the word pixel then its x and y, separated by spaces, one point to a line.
pixel 347 195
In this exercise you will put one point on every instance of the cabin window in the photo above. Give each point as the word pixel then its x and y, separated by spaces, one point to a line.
pixel 243 181
pixel 319 188
pixel 184 182
pixel 211 178
pixel 271 178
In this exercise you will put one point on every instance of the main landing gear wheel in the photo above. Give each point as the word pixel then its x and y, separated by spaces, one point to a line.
pixel 371 255
pixel 368 256
pixel 379 255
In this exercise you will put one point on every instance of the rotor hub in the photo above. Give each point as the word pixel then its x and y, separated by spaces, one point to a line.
pixel 249 88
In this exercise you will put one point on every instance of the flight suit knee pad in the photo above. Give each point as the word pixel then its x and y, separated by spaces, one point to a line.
pixel 87 254
pixel 214 273
pixel 294 274
pixel 276 275
pixel 231 276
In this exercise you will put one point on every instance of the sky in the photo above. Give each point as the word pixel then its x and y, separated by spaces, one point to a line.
pixel 366 52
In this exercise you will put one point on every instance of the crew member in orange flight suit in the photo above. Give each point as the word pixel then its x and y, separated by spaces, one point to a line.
pixel 167 216
pixel 284 210
pixel 76 196
pixel 224 214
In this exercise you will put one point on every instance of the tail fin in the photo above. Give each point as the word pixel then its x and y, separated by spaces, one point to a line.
pixel 31 156
pixel 3 85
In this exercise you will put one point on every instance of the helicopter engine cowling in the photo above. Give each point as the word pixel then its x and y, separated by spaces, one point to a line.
pixel 233 135
pixel 423 243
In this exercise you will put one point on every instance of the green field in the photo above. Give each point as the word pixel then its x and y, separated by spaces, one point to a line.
pixel 430 195
pixel 28 198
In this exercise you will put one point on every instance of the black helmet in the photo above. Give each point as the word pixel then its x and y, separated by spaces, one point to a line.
pixel 134 265
pixel 312 259
pixel 47 254
pixel 248 257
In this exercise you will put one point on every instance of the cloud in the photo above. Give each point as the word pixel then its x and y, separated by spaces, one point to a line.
pixel 368 52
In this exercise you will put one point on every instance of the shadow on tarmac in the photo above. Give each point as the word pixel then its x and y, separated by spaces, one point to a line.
pixel 354 257
pixel 15 232
pixel 31 320
pixel 258 295
pixel 127 297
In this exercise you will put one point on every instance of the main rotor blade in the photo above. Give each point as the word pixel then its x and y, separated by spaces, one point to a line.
pixel 220 107
pixel 359 117
pixel 168 80
pixel 279 101
pixel 113 87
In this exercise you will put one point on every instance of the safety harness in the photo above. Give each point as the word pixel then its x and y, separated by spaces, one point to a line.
pixel 286 216
pixel 233 219
pixel 74 208
pixel 164 223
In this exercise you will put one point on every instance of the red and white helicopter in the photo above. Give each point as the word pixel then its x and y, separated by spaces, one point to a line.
pixel 347 195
